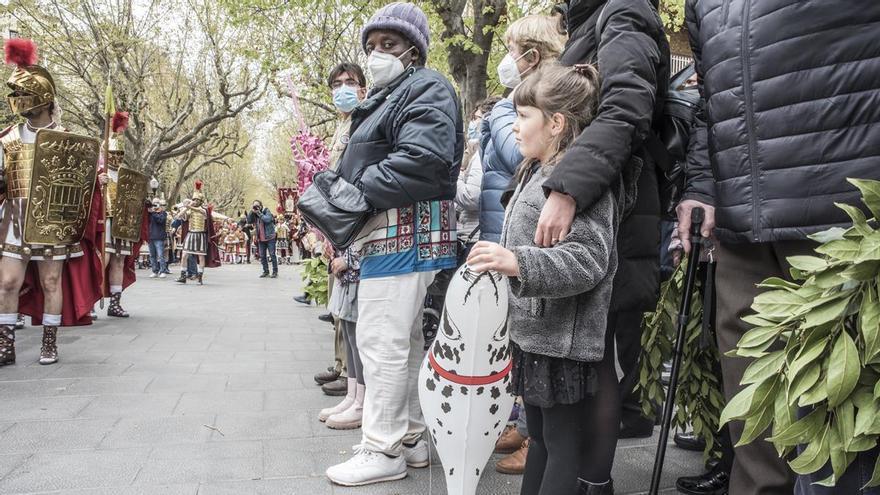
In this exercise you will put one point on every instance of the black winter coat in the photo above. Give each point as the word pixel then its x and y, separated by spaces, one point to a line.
pixel 792 92
pixel 406 141
pixel 633 61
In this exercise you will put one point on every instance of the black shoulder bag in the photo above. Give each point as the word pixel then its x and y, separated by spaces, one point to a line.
pixel 335 207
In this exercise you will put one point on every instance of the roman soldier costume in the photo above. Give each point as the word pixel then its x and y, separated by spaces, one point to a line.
pixel 198 239
pixel 126 224
pixel 48 206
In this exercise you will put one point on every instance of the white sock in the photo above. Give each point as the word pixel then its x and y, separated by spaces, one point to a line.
pixel 361 393
pixel 51 320
pixel 352 389
pixel 115 289
pixel 8 318
pixel 199 268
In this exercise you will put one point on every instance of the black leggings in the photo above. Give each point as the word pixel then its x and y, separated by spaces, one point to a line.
pixel 571 441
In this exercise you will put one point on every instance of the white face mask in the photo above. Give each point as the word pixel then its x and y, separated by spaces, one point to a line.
pixel 385 67
pixel 508 72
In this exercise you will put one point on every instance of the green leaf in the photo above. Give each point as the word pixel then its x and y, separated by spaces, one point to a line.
pixel 877 390
pixel 869 324
pixel 862 443
pixel 831 277
pixel 814 456
pixel 826 312
pixel 807 264
pixel 812 348
pixel 843 369
pixel 832 234
pixel 739 405
pixel 870 194
pixel 840 459
pixel 869 249
pixel 758 336
pixel 862 271
pixel 801 430
pixel 758 420
pixel 860 222
pixel 763 368
pixel 778 303
pixel 778 283
pixel 817 394
pixel 865 417
pixel 844 422
pixel 783 417
pixel 844 249
pixel 804 382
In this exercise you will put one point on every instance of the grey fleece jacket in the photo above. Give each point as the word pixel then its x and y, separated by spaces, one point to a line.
pixel 559 303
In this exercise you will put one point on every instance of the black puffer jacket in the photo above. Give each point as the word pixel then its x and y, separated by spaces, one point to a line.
pixel 406 141
pixel 633 61
pixel 793 92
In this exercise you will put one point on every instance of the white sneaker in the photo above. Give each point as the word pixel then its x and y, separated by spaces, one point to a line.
pixel 367 467
pixel 338 408
pixel 349 419
pixel 154 275
pixel 163 275
pixel 417 455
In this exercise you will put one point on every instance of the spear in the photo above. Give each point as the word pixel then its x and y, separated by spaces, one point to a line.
pixel 109 110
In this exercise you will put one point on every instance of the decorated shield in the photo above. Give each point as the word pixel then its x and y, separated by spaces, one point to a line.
pixel 131 192
pixel 465 383
pixel 61 188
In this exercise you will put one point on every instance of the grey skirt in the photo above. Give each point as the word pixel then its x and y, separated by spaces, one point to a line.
pixel 196 243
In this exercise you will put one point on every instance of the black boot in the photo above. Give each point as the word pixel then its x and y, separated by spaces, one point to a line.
pixel 182 278
pixel 587 488
pixel 49 350
pixel 7 345
pixel 711 483
pixel 199 278
pixel 115 308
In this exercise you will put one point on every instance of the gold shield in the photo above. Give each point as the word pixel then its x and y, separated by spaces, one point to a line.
pixel 62 183
pixel 128 210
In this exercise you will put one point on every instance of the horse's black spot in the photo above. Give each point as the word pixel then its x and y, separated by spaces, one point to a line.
pixel 448 432
pixel 493 409
pixel 496 393
pixel 446 407
pixel 451 470
pixel 447 351
pixel 457 356
pixel 480 390
pixel 478 471
pixel 496 424
pixel 447 391
pixel 430 385
pixel 464 390
pixel 461 346
pixel 486 434
pixel 439 422
pixel 437 376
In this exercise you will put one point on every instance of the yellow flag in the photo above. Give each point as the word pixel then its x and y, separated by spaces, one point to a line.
pixel 109 105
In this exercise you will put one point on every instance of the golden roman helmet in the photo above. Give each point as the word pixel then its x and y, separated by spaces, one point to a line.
pixel 116 143
pixel 32 86
pixel 198 194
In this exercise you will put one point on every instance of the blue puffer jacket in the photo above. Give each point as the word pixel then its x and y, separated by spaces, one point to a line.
pixel 501 158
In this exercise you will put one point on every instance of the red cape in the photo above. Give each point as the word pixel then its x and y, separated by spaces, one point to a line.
pixel 80 278
pixel 129 276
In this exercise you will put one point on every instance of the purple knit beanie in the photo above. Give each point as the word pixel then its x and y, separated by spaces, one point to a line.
pixel 405 18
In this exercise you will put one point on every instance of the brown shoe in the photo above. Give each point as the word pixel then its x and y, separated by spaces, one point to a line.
pixel 331 375
pixel 336 389
pixel 510 441
pixel 49 350
pixel 515 463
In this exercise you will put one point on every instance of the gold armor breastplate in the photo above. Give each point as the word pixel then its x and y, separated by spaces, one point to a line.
pixel 18 160
pixel 197 220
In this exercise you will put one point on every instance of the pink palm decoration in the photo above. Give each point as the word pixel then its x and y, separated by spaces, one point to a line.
pixel 309 153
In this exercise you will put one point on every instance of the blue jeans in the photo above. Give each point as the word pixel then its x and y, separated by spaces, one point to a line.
pixel 267 249
pixel 157 256
pixel 858 474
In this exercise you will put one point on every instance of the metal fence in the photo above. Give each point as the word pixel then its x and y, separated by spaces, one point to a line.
pixel 679 62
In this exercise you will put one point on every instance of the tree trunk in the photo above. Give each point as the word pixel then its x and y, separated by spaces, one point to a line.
pixel 468 64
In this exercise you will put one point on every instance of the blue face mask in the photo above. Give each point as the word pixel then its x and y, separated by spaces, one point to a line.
pixel 472 131
pixel 345 98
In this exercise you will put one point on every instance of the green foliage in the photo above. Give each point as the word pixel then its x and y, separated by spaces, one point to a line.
pixel 698 398
pixel 672 14
pixel 827 325
pixel 316 279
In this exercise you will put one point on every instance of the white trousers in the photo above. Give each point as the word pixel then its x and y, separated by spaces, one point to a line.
pixel 391 346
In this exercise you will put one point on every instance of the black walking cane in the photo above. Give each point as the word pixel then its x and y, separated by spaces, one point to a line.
pixel 683 316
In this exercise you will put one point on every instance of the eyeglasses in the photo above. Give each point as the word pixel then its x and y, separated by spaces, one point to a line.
pixel 349 82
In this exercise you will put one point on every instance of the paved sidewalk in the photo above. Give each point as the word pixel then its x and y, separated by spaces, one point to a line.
pixel 204 390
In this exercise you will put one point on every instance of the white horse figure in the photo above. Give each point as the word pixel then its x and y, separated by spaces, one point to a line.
pixel 465 383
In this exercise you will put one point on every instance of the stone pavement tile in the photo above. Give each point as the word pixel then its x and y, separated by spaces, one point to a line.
pixel 219 402
pixel 312 366
pixel 190 489
pixel 10 462
pixel 53 436
pixel 265 381
pixel 140 432
pixel 161 368
pixel 193 344
pixel 264 356
pixel 188 383
pixel 107 385
pixel 130 406
pixel 199 357
pixel 10 391
pixel 262 426
pixel 282 486
pixel 212 462
pixel 310 399
pixel 139 357
pixel 42 408
pixel 71 470
pixel 25 371
pixel 232 368
pixel 66 370
pixel 303 457
pixel 633 467
pixel 244 345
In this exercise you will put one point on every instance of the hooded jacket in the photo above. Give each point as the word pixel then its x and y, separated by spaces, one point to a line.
pixel 791 109
pixel 632 55
pixel 501 157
